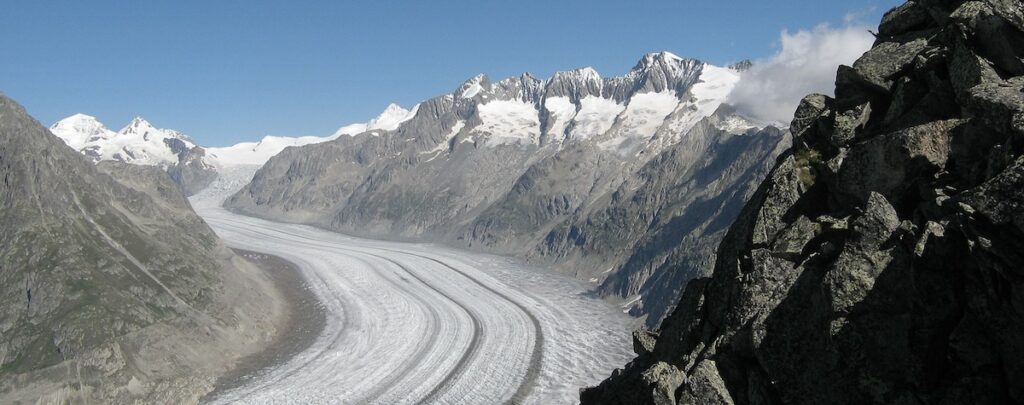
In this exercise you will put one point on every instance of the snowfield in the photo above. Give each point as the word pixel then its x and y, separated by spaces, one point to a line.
pixel 418 323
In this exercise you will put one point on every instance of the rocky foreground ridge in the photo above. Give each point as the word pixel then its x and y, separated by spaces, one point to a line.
pixel 882 260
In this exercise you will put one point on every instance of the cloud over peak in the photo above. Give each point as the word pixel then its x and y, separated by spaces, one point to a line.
pixel 805 63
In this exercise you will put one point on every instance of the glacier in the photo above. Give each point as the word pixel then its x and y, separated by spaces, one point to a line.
pixel 411 323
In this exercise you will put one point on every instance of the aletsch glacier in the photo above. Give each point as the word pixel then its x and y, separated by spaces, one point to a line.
pixel 627 183
pixel 411 323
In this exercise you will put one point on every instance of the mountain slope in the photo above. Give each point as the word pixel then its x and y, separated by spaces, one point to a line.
pixel 112 288
pixel 880 262
pixel 525 166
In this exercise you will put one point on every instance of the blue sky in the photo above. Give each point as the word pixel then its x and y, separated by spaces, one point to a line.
pixel 226 71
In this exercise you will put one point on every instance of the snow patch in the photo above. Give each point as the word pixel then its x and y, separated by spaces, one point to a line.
pixel 509 122
pixel 644 114
pixel 735 125
pixel 472 87
pixel 561 111
pixel 712 89
pixel 595 117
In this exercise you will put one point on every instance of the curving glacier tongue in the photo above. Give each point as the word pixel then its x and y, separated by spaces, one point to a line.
pixel 409 323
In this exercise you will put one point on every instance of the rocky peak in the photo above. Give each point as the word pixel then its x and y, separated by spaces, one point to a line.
pixel 524 87
pixel 652 59
pixel 472 87
pixel 742 65
pixel 656 72
pixel 142 128
pixel 575 84
pixel 138 125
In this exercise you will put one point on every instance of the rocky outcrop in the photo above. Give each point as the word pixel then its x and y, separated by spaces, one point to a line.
pixel 192 172
pixel 112 290
pixel 880 262
pixel 627 182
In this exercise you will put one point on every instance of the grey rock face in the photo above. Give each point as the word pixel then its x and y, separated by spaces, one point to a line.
pixel 107 271
pixel 619 181
pixel 880 261
pixel 192 172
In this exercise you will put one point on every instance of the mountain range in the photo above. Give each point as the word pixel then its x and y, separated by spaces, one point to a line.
pixel 627 182
pixel 193 167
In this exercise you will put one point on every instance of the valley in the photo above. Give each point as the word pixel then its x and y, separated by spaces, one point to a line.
pixel 409 323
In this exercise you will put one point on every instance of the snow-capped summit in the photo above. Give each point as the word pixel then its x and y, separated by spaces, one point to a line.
pixel 139 142
pixel 79 129
pixel 584 74
pixel 389 120
pixel 473 86
pixel 393 116
pixel 142 128
pixel 652 58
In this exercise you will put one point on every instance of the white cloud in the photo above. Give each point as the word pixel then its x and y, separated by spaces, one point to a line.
pixel 806 63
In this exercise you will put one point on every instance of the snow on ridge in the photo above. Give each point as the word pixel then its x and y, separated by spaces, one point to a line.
pixel 258 153
pixel 350 129
pixel 472 87
pixel 389 120
pixel 587 73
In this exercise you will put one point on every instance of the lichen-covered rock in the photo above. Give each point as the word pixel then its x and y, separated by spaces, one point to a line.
pixel 881 260
pixel 663 379
pixel 643 341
